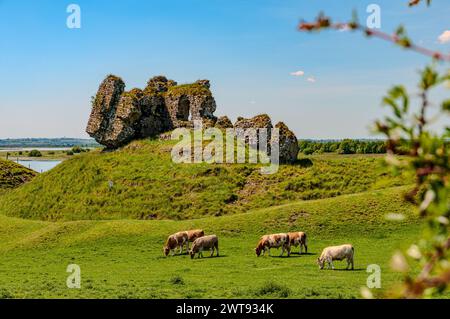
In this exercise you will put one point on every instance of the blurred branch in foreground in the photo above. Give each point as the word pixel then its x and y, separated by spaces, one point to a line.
pixel 413 148
pixel 399 37
pixel 416 2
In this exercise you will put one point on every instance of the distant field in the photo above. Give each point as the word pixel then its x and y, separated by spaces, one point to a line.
pixel 123 258
pixel 141 182
pixel 47 155
pixel 46 142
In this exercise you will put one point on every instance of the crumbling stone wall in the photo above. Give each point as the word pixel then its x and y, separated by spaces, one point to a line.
pixel 288 143
pixel 120 116
pixel 103 115
pixel 223 122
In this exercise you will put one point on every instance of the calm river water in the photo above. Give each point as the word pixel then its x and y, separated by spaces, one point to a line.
pixel 39 166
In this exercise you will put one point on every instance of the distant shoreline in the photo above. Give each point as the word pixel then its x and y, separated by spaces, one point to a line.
pixel 25 149
pixel 15 144
pixel 35 159
pixel 46 153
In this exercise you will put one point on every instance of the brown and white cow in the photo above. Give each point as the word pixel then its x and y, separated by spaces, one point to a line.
pixel 176 240
pixel 299 239
pixel 180 239
pixel 273 241
pixel 194 234
pixel 210 242
pixel 336 253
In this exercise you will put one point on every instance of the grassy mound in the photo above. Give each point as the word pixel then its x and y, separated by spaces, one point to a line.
pixel 140 181
pixel 123 258
pixel 13 175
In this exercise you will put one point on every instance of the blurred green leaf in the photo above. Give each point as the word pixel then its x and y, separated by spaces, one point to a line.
pixel 446 105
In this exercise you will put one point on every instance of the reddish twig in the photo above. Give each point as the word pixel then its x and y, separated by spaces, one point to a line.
pixel 324 22
pixel 424 280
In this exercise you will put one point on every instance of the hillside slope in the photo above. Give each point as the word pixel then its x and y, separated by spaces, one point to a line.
pixel 123 258
pixel 140 181
pixel 13 175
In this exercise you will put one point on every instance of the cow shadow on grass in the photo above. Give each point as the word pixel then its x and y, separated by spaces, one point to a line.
pixel 293 255
pixel 343 269
pixel 302 254
pixel 187 255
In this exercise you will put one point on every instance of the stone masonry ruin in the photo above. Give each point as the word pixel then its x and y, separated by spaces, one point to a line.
pixel 119 117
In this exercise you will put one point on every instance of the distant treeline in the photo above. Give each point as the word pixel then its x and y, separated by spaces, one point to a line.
pixel 346 146
pixel 47 142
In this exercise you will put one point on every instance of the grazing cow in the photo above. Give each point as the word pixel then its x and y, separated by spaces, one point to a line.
pixel 194 234
pixel 176 240
pixel 210 242
pixel 336 253
pixel 273 241
pixel 298 239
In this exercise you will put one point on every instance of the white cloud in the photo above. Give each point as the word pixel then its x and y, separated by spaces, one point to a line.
pixel 444 37
pixel 298 73
pixel 344 28
pixel 302 73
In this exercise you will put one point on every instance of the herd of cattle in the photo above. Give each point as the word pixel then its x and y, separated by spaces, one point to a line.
pixel 200 242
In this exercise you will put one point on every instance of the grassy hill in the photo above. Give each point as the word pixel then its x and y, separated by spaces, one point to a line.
pixel 141 182
pixel 13 175
pixel 123 258
pixel 87 212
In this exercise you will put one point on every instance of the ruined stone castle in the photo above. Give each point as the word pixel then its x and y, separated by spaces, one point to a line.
pixel 120 116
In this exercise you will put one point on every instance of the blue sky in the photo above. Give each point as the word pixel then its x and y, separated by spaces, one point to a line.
pixel 247 48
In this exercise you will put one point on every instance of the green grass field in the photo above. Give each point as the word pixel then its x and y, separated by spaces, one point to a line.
pixel 70 215
pixel 123 258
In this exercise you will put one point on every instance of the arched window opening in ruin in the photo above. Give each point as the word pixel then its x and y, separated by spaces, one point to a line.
pixel 184 108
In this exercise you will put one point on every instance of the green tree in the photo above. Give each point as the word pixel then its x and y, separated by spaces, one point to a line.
pixel 77 149
pixel 346 147
pixel 35 153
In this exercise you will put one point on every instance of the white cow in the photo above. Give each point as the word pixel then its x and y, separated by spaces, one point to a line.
pixel 210 242
pixel 336 253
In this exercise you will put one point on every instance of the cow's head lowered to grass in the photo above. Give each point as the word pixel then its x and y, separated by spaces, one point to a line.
pixel 320 262
pixel 171 243
pixel 259 249
pixel 166 251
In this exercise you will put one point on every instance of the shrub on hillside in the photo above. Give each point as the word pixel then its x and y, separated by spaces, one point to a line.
pixel 272 289
pixel 35 153
pixel 177 280
pixel 78 149
pixel 308 151
pixel 304 162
